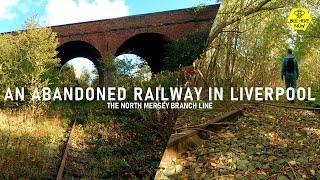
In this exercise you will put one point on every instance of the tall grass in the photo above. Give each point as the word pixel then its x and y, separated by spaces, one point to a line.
pixel 30 149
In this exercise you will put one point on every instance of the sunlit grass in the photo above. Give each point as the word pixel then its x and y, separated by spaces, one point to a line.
pixel 29 148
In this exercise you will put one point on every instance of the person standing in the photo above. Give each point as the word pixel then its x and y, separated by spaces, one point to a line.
pixel 290 70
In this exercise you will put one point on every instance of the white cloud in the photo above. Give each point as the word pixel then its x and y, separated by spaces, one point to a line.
pixel 6 7
pixel 71 11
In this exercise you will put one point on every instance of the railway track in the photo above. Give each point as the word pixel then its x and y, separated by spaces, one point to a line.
pixel 293 107
pixel 65 153
pixel 191 137
pixel 176 140
pixel 185 139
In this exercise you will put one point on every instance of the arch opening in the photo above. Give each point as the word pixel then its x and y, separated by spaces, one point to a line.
pixel 79 72
pixel 76 49
pixel 84 59
pixel 149 46
pixel 132 65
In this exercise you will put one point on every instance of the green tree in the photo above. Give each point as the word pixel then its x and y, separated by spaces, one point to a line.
pixel 124 66
pixel 95 79
pixel 67 76
pixel 84 79
pixel 248 41
pixel 28 59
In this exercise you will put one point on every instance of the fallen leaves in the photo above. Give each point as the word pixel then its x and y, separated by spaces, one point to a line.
pixel 268 143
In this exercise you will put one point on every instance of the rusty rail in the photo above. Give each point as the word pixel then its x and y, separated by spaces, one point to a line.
pixel 65 154
pixel 293 107
pixel 190 138
pixel 210 125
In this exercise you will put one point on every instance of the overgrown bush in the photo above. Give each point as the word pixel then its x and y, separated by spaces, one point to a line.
pixel 28 59
pixel 185 51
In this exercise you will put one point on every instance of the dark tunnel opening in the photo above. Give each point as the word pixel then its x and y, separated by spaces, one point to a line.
pixel 75 49
pixel 79 51
pixel 149 46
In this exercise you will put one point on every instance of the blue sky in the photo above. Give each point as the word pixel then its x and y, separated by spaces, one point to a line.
pixel 13 13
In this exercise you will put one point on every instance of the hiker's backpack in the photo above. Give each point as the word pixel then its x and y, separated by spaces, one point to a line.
pixel 290 65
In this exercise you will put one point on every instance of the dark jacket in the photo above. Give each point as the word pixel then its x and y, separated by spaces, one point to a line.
pixel 284 67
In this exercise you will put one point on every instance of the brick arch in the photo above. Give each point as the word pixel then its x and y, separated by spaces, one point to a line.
pixel 150 46
pixel 74 49
pixel 114 35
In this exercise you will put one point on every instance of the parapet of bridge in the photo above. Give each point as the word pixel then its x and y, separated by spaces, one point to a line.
pixel 144 35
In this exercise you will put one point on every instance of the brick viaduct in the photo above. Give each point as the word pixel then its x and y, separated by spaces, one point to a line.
pixel 144 35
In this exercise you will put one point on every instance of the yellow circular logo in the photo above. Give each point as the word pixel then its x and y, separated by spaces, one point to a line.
pixel 299 18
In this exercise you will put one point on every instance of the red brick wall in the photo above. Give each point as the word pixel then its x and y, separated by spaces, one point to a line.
pixel 112 33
